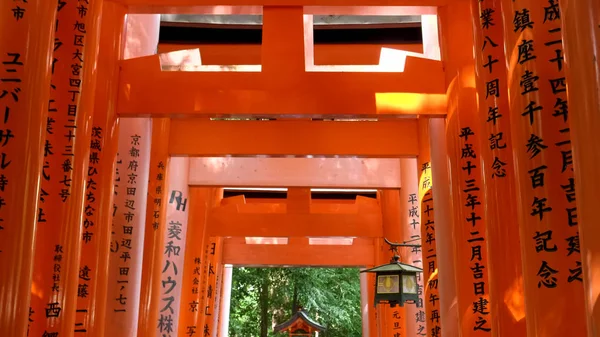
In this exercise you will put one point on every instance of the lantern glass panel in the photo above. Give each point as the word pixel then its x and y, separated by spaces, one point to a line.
pixel 409 284
pixel 388 284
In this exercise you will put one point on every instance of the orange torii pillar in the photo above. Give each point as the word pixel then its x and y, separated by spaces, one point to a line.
pixel 174 240
pixel 581 31
pixel 498 176
pixel 131 188
pixel 65 169
pixel 547 209
pixel 393 320
pixel 156 213
pixel 428 234
pixel 411 233
pixel 192 312
pixel 367 296
pixel 457 55
pixel 26 31
pixel 470 252
pixel 225 300
pixel 97 221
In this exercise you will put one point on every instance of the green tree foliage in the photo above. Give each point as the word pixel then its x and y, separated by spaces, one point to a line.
pixel 264 297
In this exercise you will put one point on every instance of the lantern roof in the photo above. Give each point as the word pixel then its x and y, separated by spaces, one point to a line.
pixel 393 267
pixel 302 316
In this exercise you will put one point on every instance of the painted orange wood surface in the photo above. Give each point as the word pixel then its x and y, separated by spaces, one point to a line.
pixel 26 33
pixel 428 234
pixel 581 31
pixel 498 176
pixel 546 201
pixel 97 222
pixel 193 6
pixel 397 138
pixel 470 252
pixel 156 212
pixel 65 170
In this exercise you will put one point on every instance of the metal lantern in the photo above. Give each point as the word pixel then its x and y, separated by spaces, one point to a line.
pixel 396 282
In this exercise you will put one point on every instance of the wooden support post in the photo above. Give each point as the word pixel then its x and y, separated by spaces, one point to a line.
pixel 463 136
pixel 156 213
pixel 411 233
pixel 174 239
pixel 428 233
pixel 201 201
pixel 131 194
pixel 65 170
pixel 393 319
pixel 547 208
pixel 506 279
pixel 581 32
pixel 298 200
pixel 457 54
pixel 283 40
pixel 97 221
pixel 26 31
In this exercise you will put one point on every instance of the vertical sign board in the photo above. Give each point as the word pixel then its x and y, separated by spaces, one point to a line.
pixel 26 31
pixel 411 233
pixel 174 248
pixel 506 290
pixel 64 171
pixel 544 168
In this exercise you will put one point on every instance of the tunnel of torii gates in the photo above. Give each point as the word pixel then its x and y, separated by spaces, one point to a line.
pixel 113 220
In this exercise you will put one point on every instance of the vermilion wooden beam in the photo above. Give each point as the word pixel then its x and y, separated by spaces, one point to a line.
pixel 145 90
pixel 316 7
pixel 286 224
pixel 298 255
pixel 205 138
pixel 363 173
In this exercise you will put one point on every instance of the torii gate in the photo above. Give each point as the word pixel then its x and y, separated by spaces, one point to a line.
pixel 502 70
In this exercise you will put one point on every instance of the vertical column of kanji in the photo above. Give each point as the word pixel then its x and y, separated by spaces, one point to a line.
pixel 457 55
pixel 581 30
pixel 190 312
pixel 130 200
pixel 95 251
pixel 26 31
pixel 428 244
pixel 394 320
pixel 506 290
pixel 544 168
pixel 463 134
pixel 156 214
pixel 411 233
pixel 174 248
pixel 210 305
pixel 65 169
pixel 129 209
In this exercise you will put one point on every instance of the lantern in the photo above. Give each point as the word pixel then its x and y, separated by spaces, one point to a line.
pixel 396 282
